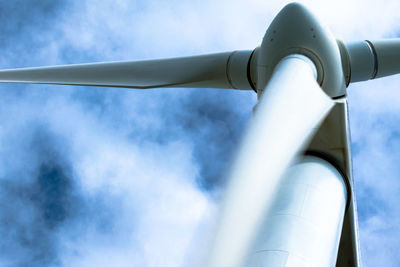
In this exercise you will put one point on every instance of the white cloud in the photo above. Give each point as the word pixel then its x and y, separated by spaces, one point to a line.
pixel 161 176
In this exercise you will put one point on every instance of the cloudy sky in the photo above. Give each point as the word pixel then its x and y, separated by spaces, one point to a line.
pixel 117 177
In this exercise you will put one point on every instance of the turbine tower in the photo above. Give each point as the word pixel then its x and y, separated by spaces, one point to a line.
pixel 290 198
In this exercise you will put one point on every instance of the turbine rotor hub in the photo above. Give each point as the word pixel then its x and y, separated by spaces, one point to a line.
pixel 295 30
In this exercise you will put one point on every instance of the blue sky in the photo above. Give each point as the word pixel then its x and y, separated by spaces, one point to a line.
pixel 117 177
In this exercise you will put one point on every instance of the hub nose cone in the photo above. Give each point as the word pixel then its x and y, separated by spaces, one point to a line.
pixel 295 30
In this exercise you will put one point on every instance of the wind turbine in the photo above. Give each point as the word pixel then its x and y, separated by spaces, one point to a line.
pixel 297 141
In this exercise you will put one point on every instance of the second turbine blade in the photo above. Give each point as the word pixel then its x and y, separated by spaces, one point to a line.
pixel 289 112
pixel 210 71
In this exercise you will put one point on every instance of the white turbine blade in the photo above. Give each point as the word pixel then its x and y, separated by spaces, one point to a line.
pixel 373 59
pixel 291 108
pixel 213 70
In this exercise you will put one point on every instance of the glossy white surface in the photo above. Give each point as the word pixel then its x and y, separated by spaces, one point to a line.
pixel 303 225
pixel 288 114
